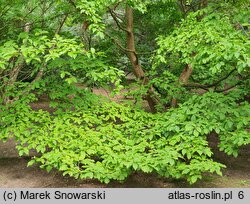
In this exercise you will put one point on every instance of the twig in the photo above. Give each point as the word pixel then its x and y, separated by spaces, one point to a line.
pixel 210 85
pixel 112 13
pixel 61 24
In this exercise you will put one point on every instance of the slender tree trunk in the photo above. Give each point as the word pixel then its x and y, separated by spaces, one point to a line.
pixel 184 77
pixel 133 57
pixel 138 71
pixel 186 73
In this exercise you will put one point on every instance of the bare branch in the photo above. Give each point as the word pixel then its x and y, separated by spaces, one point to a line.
pixel 205 86
pixel 112 13
pixel 61 24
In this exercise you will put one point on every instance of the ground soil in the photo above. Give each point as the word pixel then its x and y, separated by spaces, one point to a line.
pixel 15 173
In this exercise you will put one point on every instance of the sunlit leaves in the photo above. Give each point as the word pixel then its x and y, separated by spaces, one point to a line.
pixel 209 42
pixel 108 141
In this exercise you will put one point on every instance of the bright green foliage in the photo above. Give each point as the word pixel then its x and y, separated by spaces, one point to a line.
pixel 87 136
pixel 109 141
pixel 214 43
pixel 211 45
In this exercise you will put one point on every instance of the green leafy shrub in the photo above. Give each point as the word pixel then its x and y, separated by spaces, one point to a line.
pixel 108 141
pixel 86 136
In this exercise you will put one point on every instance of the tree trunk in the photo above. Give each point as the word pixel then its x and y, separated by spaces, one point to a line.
pixel 184 77
pixel 133 57
pixel 138 71
pixel 186 73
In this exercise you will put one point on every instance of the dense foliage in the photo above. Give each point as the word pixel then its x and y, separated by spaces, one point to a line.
pixel 191 61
